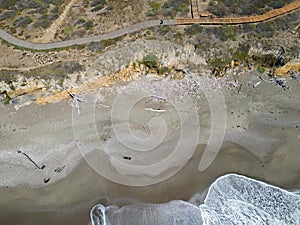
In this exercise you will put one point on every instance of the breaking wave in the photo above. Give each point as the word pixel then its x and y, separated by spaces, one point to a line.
pixel 231 199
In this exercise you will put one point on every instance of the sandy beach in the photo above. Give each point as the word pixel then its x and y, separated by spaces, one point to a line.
pixel 261 141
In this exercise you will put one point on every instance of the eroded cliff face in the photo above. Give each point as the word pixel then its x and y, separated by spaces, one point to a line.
pixel 50 83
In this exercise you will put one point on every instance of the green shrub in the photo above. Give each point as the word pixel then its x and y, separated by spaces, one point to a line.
pixel 88 24
pixel 268 60
pixel 224 33
pixel 163 70
pixel 261 69
pixel 97 4
pixel 241 52
pixel 8 15
pixel 155 6
pixel 164 30
pixel 109 7
pixel 5 4
pixel 244 7
pixel 194 29
pixel 22 21
pixel 151 61
pixel 172 7
pixel 219 62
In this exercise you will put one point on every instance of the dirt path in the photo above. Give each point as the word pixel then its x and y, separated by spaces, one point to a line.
pixel 51 31
pixel 32 67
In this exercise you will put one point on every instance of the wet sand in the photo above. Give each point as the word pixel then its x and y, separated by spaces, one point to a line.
pixel 261 141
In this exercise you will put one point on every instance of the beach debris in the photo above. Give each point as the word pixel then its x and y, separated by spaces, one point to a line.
pixel 127 157
pixel 155 110
pixel 102 105
pixel 161 99
pixel 273 79
pixel 75 100
pixel 59 169
pixel 46 180
pixel 17 107
pixel 254 79
pixel 282 83
pixel 278 80
pixel 256 84
pixel 240 87
pixel 31 160
pixel 234 83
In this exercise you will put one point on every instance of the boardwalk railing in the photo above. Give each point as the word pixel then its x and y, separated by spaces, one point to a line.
pixel 239 20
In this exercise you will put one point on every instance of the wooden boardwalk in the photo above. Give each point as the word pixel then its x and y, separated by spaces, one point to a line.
pixel 195 9
pixel 235 20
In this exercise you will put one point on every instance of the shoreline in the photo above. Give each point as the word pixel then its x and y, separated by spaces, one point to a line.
pixel 53 122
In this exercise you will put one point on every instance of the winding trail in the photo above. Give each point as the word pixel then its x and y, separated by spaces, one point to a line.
pixel 49 34
pixel 147 24
pixel 80 41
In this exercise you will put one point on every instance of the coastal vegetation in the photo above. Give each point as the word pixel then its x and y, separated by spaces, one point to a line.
pixel 244 7
pixel 59 70
pixel 151 61
pixel 97 5
pixel 174 8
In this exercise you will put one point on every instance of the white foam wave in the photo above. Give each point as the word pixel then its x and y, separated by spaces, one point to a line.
pixel 231 199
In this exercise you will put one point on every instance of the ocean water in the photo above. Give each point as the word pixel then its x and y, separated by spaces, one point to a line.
pixel 231 199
